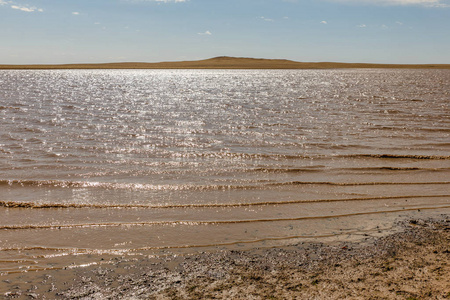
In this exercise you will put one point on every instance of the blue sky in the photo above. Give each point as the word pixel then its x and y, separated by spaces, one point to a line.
pixel 69 31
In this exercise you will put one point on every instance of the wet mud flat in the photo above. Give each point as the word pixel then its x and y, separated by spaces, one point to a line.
pixel 413 263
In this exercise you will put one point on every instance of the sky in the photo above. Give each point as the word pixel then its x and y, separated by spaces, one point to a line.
pixel 98 31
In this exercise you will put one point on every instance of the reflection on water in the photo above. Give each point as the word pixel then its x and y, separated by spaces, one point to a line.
pixel 113 162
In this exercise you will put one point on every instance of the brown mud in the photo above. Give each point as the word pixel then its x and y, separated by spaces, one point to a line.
pixel 411 264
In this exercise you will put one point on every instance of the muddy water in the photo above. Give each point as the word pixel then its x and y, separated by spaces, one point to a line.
pixel 96 164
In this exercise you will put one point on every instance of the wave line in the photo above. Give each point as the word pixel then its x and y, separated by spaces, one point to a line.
pixel 13 204
pixel 151 187
pixel 195 223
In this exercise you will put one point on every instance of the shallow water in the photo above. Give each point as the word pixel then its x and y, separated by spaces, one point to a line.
pixel 99 163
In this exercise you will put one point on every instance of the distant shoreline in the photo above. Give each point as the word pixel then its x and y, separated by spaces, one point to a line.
pixel 225 62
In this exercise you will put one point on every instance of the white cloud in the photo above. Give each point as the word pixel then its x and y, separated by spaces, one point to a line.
pixel 158 1
pixel 26 8
pixel 207 32
pixel 266 19
pixel 324 22
pixel 22 8
pixel 362 26
pixel 427 3
pixel 399 23
pixel 75 13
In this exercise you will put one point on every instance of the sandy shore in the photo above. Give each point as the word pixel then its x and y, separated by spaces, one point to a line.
pixel 411 264
pixel 225 62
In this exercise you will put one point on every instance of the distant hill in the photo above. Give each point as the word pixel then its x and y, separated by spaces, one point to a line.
pixel 225 62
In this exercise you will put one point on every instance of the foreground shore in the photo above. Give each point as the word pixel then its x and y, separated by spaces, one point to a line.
pixel 411 264
pixel 225 62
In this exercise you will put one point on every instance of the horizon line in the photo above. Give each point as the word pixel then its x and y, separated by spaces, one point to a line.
pixel 223 62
